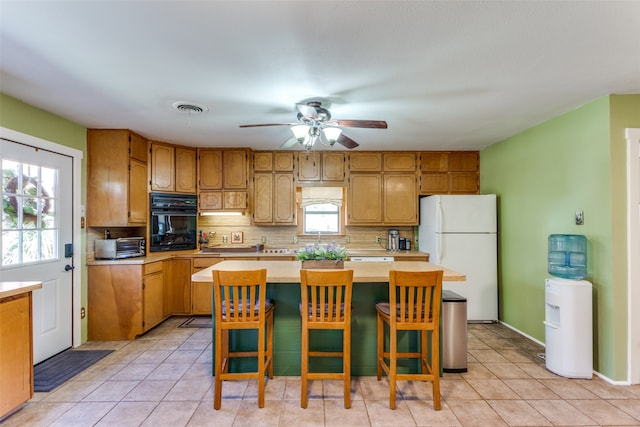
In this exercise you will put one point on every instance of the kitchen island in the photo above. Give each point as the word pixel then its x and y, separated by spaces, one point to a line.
pixel 371 285
pixel 16 344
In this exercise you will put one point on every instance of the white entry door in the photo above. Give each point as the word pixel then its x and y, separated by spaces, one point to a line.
pixel 36 227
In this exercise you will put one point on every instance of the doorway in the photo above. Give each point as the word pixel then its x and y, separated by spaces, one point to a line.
pixel 38 235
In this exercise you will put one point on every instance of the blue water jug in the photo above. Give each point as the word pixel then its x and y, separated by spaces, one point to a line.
pixel 568 256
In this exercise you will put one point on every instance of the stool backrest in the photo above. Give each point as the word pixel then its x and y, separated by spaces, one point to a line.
pixel 239 296
pixel 326 295
pixel 417 298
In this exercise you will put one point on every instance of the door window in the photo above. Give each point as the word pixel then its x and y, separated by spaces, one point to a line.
pixel 29 226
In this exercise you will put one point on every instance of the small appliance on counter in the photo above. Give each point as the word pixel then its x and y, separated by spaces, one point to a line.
pixel 394 240
pixel 124 247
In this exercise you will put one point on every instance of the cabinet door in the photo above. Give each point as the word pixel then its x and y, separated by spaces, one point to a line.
pixel 284 208
pixel 308 166
pixel 162 167
pixel 209 169
pixel 365 162
pixel 465 182
pixel 185 170
pixel 263 198
pixel 333 168
pixel 202 297
pixel 234 169
pixel 436 161
pixel 365 199
pixel 234 200
pixel 262 161
pixel 283 161
pixel 400 199
pixel 138 193
pixel 399 162
pixel 463 161
pixel 16 356
pixel 210 200
pixel 152 305
pixel 434 183
pixel 177 286
pixel 138 147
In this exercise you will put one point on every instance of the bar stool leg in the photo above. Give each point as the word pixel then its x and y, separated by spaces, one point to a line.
pixel 304 367
pixel 380 346
pixel 346 362
pixel 393 367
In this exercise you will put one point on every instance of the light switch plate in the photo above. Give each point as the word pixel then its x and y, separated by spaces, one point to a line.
pixel 579 217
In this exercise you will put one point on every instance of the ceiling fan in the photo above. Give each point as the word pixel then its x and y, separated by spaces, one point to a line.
pixel 315 124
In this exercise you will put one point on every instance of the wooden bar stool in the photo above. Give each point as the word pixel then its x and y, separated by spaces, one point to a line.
pixel 414 305
pixel 240 303
pixel 326 304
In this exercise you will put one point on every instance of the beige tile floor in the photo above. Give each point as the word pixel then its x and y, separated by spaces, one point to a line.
pixel 164 378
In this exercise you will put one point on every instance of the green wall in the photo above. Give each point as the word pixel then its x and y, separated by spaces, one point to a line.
pixel 542 176
pixel 21 117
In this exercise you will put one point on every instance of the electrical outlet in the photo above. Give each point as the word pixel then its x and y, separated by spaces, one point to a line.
pixel 224 239
pixel 295 239
pixel 83 313
pixel 348 239
pixel 377 239
pixel 579 217
pixel 264 239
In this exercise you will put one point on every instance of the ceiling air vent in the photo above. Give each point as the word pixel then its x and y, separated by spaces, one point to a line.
pixel 189 107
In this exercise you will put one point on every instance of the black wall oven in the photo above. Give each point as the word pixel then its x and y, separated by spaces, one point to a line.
pixel 173 222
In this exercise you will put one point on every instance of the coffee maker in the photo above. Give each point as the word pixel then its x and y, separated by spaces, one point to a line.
pixel 394 240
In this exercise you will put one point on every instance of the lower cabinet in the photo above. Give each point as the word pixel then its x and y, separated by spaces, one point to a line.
pixel 177 286
pixel 202 292
pixel 16 356
pixel 124 300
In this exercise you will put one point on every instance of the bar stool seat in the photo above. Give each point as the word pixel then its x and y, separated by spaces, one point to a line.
pixel 324 296
pixel 240 303
pixel 414 305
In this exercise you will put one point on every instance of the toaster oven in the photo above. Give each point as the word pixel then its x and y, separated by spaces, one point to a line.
pixel 124 247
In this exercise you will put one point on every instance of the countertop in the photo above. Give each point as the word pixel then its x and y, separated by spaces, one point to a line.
pixel 9 289
pixel 160 256
pixel 289 271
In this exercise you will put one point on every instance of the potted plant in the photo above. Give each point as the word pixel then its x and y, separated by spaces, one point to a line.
pixel 316 255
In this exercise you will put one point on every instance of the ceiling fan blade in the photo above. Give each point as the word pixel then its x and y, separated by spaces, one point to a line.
pixel 347 142
pixel 375 124
pixel 266 124
pixel 289 142
pixel 307 110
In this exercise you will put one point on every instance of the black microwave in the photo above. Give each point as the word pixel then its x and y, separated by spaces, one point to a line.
pixel 173 222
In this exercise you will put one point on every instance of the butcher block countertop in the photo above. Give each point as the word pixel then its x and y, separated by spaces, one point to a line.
pixel 289 271
pixel 9 289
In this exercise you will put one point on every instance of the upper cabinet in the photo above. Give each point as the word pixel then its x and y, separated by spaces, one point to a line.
pixel 173 168
pixel 321 167
pixel 382 189
pixel 273 188
pixel 117 190
pixel 449 172
pixel 223 179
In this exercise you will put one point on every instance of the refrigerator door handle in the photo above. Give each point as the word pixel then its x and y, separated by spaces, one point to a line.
pixel 439 215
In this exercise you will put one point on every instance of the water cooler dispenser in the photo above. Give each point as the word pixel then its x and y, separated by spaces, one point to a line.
pixel 568 309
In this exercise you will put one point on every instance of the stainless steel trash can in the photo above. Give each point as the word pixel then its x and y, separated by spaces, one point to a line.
pixel 454 332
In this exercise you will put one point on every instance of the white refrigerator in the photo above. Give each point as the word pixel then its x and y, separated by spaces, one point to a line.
pixel 460 233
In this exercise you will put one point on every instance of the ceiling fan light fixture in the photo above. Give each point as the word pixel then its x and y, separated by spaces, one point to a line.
pixel 300 132
pixel 331 134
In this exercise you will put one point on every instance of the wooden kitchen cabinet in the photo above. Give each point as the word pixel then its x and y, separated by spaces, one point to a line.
pixel 202 292
pixel 449 172
pixel 177 286
pixel 364 195
pixel 124 300
pixel 366 161
pixel 226 172
pixel 117 186
pixel 403 161
pixel 400 199
pixel 173 168
pixel 325 166
pixel 16 354
pixel 274 201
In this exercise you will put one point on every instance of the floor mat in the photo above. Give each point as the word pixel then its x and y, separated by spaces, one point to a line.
pixel 52 372
pixel 197 322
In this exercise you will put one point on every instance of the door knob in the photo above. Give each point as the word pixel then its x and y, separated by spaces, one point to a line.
pixel 68 267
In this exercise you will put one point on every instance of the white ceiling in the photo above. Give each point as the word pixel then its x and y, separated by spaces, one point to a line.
pixel 443 74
